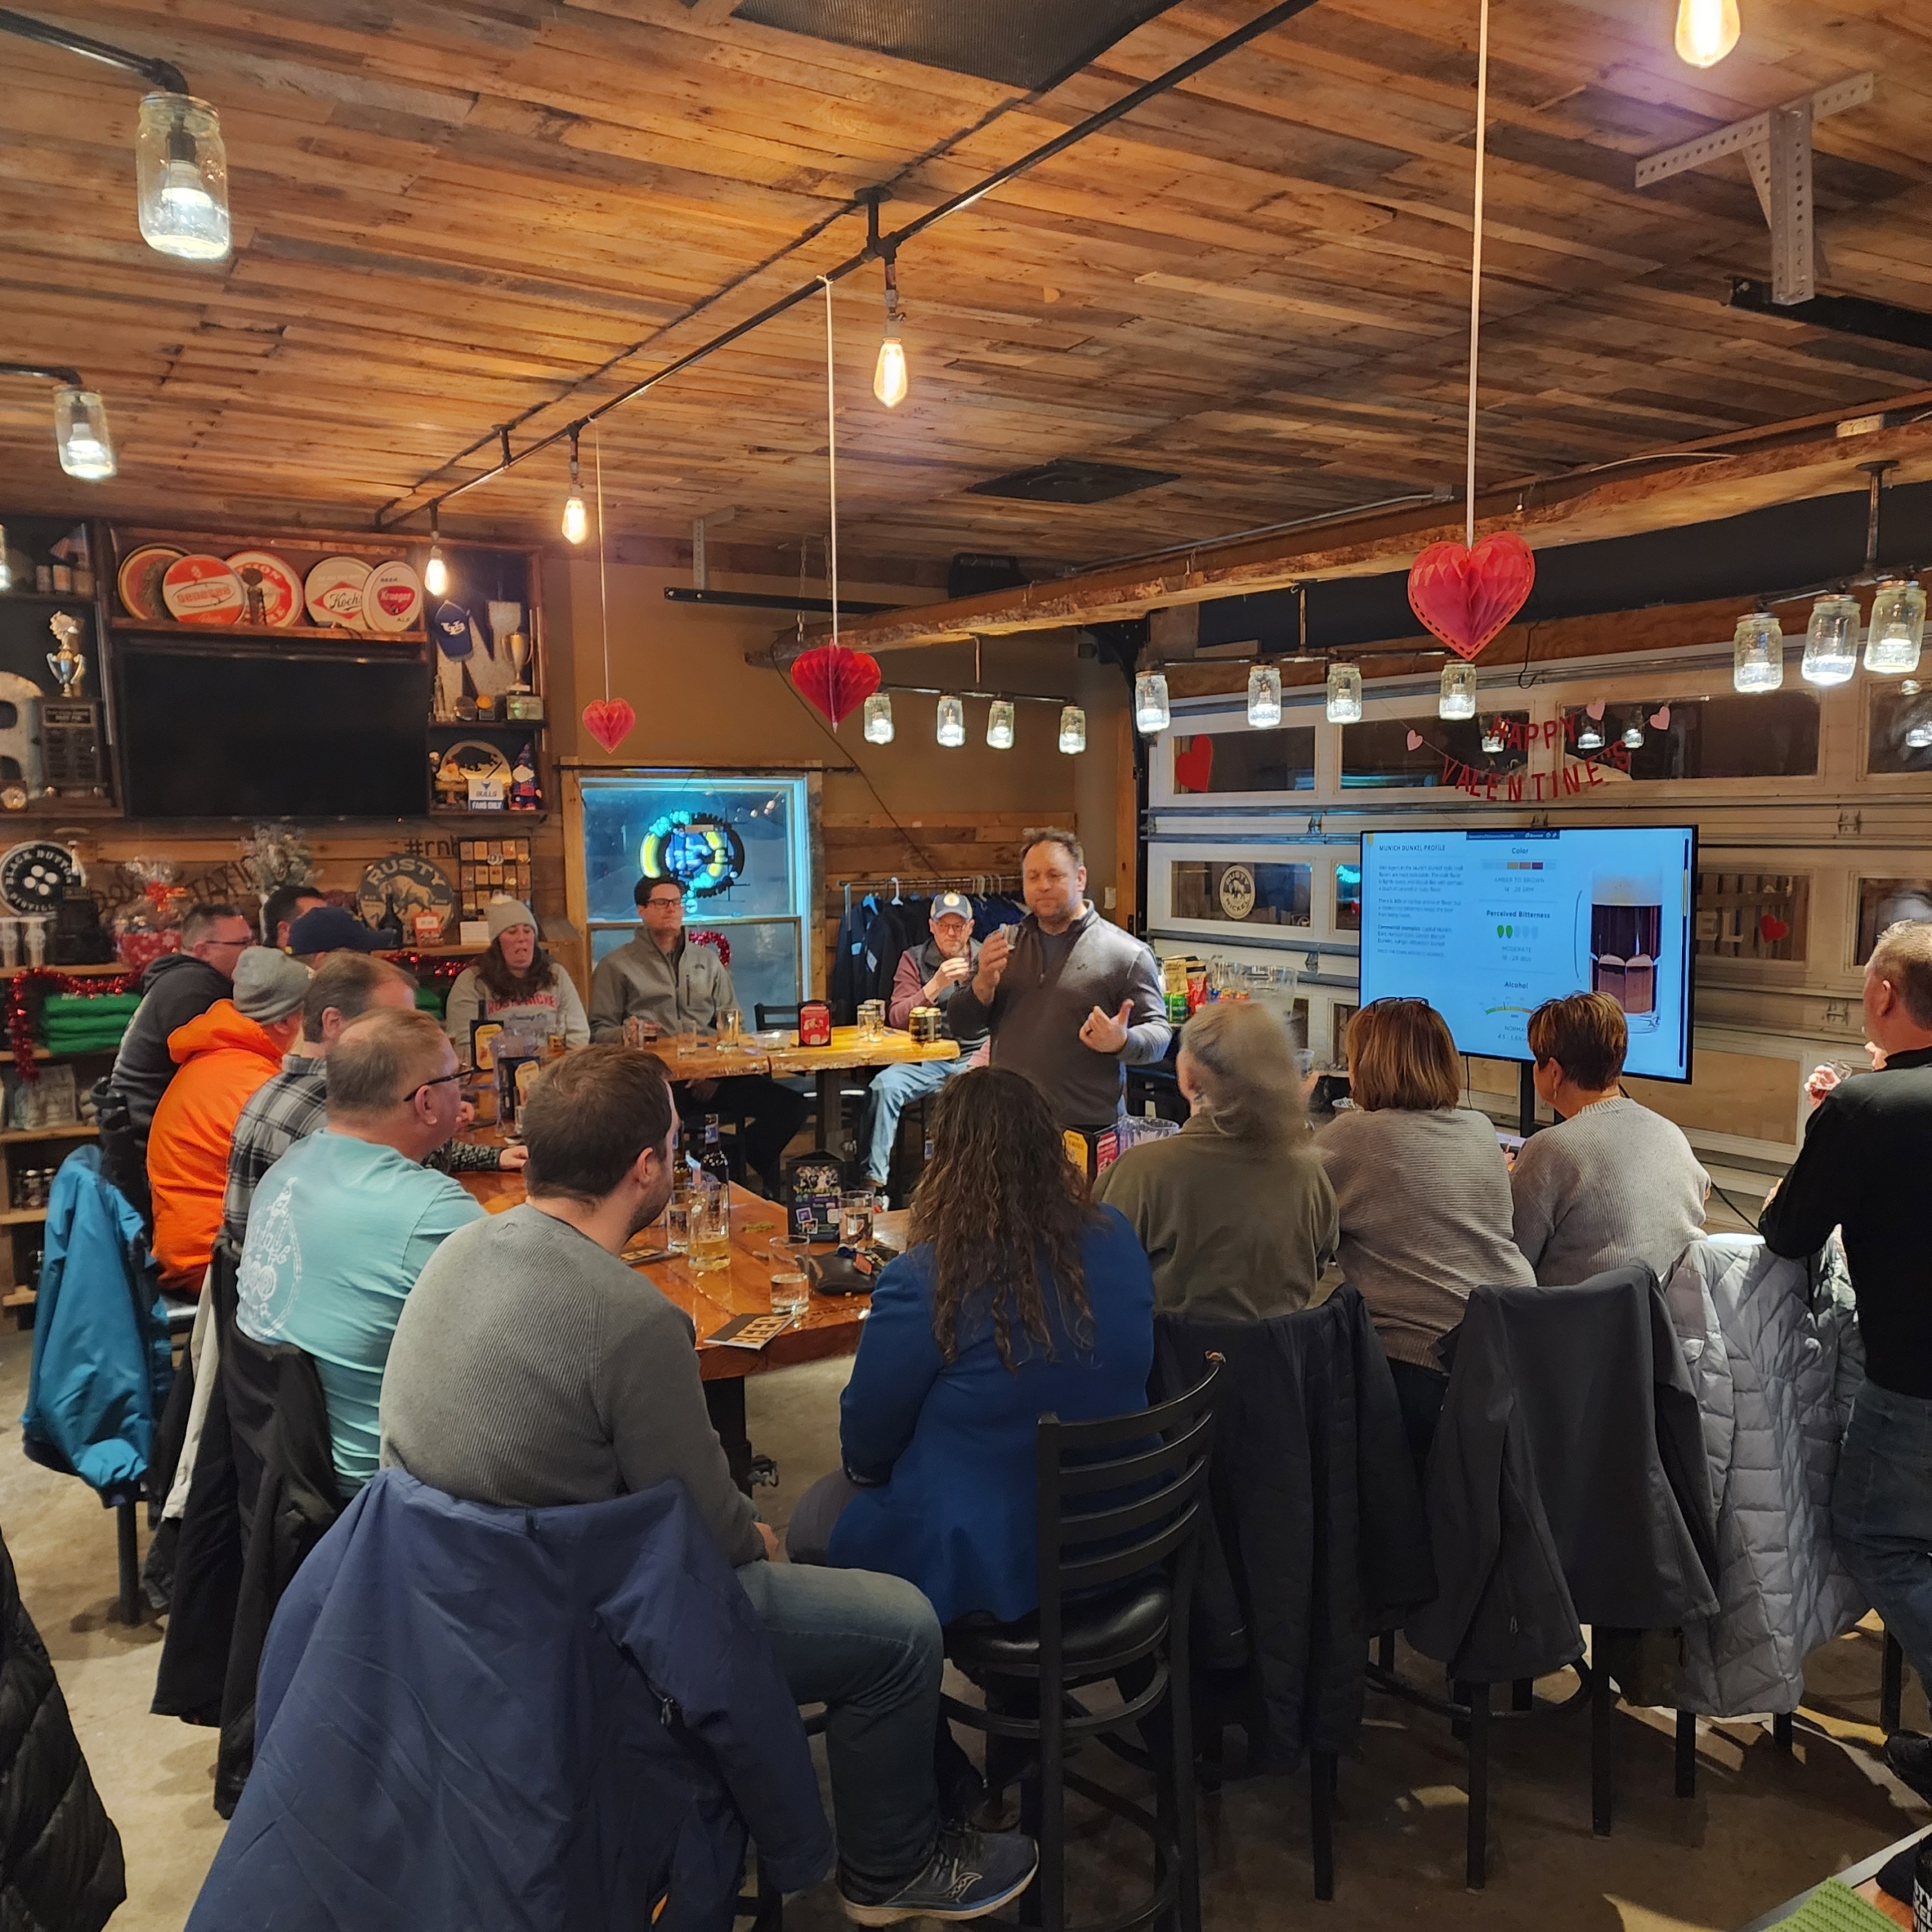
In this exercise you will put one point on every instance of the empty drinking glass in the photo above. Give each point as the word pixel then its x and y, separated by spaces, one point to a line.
pixel 855 1219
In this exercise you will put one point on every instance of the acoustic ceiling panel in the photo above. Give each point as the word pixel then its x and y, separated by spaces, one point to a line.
pixel 1021 43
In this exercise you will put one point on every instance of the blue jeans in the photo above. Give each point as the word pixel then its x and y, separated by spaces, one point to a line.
pixel 888 1096
pixel 1881 1513
pixel 869 1648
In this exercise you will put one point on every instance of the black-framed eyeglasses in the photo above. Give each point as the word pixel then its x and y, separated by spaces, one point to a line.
pixel 440 1080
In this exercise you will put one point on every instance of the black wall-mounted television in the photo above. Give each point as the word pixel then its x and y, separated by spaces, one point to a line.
pixel 209 734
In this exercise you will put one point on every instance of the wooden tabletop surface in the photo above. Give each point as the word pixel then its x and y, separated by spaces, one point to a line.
pixel 685 1060
pixel 829 1326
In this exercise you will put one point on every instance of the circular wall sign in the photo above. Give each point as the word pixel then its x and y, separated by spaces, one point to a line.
pixel 35 877
pixel 700 851
pixel 1236 892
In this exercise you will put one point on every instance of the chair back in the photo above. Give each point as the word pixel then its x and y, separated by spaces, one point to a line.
pixel 775 1016
pixel 1120 1497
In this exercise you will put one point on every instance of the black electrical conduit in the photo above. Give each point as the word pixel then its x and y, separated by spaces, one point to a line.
pixel 879 247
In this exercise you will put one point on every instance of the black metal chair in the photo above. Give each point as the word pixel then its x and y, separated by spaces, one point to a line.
pixel 1120 1509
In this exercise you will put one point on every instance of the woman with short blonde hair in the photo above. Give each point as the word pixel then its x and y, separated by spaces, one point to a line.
pixel 1422 1190
pixel 1235 1211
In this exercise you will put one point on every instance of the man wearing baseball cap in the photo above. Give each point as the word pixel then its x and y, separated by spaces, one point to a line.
pixel 329 929
pixel 928 975
pixel 221 1057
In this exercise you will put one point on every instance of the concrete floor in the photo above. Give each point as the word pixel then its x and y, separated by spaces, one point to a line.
pixel 1762 1827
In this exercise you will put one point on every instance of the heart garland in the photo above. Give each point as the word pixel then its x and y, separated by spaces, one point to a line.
pixel 836 680
pixel 1465 596
pixel 609 720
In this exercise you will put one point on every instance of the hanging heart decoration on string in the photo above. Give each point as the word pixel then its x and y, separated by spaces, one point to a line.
pixel 608 720
pixel 1771 928
pixel 1466 596
pixel 836 680
pixel 1595 708
pixel 1415 741
pixel 1660 719
pixel 1194 768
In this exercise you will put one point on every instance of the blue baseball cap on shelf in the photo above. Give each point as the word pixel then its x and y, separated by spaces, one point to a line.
pixel 945 903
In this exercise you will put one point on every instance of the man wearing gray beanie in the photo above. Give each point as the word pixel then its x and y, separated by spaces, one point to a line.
pixel 220 1056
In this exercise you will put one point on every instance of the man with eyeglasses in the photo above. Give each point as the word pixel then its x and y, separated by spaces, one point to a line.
pixel 672 986
pixel 340 1227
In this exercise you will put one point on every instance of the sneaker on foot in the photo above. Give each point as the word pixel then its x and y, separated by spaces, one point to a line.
pixel 1908 1756
pixel 969 1875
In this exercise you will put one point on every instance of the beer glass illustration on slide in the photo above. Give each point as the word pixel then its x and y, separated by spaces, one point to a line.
pixel 1625 933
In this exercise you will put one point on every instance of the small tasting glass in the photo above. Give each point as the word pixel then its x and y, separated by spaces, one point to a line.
pixel 855 1219
pixel 786 1262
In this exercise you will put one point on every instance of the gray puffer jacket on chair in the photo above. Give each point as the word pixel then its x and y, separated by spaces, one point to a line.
pixel 1775 1362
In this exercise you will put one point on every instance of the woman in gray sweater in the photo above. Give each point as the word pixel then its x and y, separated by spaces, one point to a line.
pixel 1422 1191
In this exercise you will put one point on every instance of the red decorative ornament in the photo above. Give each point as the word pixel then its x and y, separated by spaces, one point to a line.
pixel 1194 768
pixel 836 680
pixel 608 720
pixel 26 991
pixel 717 940
pixel 1465 596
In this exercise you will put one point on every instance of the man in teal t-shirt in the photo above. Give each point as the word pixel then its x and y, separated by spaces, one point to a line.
pixel 343 1223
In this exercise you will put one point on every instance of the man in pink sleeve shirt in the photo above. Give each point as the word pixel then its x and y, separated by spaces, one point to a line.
pixel 928 975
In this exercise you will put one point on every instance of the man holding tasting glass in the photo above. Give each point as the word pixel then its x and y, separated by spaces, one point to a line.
pixel 1069 998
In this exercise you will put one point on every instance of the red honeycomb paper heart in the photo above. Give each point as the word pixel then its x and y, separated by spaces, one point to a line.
pixel 608 720
pixel 836 680
pixel 1465 597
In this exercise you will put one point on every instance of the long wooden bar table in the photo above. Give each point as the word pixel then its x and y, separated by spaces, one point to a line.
pixel 830 1324
pixel 685 1060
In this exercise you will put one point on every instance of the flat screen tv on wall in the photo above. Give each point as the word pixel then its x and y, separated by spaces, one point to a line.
pixel 206 734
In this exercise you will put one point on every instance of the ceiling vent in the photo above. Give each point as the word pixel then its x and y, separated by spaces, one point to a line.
pixel 1070 480
pixel 1020 43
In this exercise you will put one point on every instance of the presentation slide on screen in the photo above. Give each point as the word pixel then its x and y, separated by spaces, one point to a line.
pixel 1487 925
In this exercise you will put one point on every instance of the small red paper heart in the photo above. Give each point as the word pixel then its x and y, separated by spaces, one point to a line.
pixel 1465 597
pixel 1595 708
pixel 1771 928
pixel 608 720
pixel 1195 766
pixel 1660 719
pixel 836 680
pixel 1415 741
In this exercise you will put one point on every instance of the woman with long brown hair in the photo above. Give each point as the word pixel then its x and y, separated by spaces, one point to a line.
pixel 1017 1296
pixel 515 979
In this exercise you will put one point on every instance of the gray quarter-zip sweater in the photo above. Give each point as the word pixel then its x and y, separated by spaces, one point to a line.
pixel 684 995
pixel 1052 982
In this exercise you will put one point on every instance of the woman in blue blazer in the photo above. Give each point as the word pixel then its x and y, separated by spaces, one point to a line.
pixel 1017 1296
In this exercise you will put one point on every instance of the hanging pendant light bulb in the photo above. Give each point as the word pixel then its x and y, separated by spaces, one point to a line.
pixel 1707 31
pixel 1589 734
pixel 889 379
pixel 1831 641
pixel 879 719
pixel 1151 715
pixel 952 723
pixel 1264 697
pixel 1456 698
pixel 1898 628
pixel 1072 729
pixel 81 435
pixel 577 517
pixel 181 179
pixel 1918 734
pixel 1633 737
pixel 1757 653
pixel 1345 693
pixel 999 725
pixel 435 572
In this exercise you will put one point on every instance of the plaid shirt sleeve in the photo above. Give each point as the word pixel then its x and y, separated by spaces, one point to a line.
pixel 288 1109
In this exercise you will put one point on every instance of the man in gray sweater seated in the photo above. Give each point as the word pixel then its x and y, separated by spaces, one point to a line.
pixel 1612 1182
pixel 531 1367
pixel 1069 997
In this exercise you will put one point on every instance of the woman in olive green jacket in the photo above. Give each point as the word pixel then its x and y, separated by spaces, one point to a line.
pixel 1235 1211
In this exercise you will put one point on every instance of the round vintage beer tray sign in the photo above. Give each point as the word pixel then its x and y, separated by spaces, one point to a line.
pixel 334 592
pixel 36 876
pixel 140 578
pixel 392 599
pixel 272 586
pixel 202 590
pixel 1236 892
pixel 405 885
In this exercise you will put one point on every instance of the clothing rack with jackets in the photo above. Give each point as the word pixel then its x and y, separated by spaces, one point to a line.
pixel 881 921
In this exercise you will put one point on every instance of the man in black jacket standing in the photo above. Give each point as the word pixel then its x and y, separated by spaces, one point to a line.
pixel 1867 1152
pixel 177 988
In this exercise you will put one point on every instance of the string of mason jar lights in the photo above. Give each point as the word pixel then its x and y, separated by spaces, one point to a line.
pixel 949 720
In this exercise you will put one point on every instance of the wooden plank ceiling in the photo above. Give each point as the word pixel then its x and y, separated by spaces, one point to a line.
pixel 448 213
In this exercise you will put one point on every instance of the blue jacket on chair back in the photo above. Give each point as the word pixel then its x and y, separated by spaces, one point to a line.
pixel 101 1365
pixel 551 1719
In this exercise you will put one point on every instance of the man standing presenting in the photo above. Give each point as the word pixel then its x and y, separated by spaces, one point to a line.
pixel 1867 1151
pixel 660 977
pixel 1072 998
pixel 928 975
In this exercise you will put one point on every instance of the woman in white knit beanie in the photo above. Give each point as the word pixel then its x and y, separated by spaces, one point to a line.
pixel 516 980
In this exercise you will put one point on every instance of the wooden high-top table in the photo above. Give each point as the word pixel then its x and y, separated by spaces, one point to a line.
pixel 684 1060
pixel 829 1326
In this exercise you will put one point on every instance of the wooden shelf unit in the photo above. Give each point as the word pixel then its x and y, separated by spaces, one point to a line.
pixel 413 639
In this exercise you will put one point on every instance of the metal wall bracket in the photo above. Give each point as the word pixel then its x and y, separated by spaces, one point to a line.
pixel 1777 147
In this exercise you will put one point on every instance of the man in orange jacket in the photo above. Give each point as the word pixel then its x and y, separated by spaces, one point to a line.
pixel 221 1057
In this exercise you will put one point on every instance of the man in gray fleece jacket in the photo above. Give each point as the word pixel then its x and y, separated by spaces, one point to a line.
pixel 1072 998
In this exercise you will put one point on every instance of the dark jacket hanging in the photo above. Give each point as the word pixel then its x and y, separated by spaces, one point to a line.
pixel 1317 1539
pixel 60 1868
pixel 1568 1483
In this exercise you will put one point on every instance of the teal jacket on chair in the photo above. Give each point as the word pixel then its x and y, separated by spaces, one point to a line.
pixel 101 1360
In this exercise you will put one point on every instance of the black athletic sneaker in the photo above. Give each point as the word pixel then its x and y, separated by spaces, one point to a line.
pixel 1908 1755
pixel 969 1875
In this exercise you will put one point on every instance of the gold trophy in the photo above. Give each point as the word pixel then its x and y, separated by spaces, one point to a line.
pixel 67 664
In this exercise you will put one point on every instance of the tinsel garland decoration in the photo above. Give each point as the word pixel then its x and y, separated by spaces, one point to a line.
pixel 25 990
